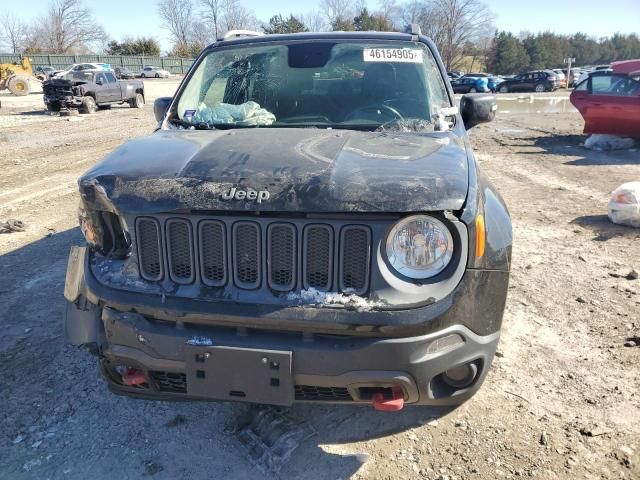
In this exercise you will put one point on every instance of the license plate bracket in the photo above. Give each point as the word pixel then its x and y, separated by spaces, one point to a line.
pixel 240 374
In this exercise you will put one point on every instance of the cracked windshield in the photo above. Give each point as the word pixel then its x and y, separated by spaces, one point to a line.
pixel 341 85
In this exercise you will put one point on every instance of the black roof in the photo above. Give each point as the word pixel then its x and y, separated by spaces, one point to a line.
pixel 317 36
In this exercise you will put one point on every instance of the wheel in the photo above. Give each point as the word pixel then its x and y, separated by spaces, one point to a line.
pixel 540 88
pixel 503 89
pixel 142 75
pixel 473 90
pixel 53 107
pixel 89 105
pixel 137 102
pixel 157 75
pixel 19 86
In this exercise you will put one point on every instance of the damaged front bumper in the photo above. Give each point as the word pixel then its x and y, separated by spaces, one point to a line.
pixel 221 351
pixel 64 101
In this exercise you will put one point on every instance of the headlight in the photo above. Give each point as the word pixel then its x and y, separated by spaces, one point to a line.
pixel 419 247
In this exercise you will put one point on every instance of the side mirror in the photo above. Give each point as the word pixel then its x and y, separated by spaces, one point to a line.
pixel 477 108
pixel 160 107
pixel 99 81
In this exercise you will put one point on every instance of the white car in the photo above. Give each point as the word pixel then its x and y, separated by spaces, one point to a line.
pixel 77 71
pixel 585 75
pixel 154 72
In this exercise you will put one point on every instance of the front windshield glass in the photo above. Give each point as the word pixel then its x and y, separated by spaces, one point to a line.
pixel 333 84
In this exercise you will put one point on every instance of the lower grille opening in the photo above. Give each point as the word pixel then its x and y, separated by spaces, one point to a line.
pixel 170 382
pixel 315 393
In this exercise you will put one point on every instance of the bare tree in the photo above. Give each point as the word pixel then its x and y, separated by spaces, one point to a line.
pixel 214 13
pixel 336 11
pixel 314 20
pixel 177 17
pixel 236 16
pixel 13 31
pixel 391 11
pixel 68 27
pixel 451 24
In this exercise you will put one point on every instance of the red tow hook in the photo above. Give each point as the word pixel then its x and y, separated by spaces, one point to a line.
pixel 394 405
pixel 133 376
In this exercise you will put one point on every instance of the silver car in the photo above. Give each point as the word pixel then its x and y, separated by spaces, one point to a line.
pixel 154 72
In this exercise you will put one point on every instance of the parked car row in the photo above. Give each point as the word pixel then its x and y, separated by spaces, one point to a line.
pixel 533 81
pixel 80 71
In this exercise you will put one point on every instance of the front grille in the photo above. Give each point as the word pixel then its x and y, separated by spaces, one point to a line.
pixel 262 254
pixel 318 253
pixel 355 244
pixel 314 393
pixel 212 253
pixel 149 248
pixel 170 382
pixel 246 254
pixel 180 249
pixel 282 256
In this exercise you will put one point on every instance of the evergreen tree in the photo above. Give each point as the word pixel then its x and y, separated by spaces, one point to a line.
pixel 278 24
pixel 507 55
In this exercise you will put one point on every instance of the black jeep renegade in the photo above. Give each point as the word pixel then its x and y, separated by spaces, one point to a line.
pixel 307 223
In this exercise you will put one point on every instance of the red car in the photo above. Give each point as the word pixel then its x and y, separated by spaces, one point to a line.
pixel 609 102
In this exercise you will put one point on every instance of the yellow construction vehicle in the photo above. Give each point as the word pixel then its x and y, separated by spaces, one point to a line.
pixel 15 76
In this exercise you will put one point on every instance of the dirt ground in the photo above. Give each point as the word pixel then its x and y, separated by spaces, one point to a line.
pixel 562 399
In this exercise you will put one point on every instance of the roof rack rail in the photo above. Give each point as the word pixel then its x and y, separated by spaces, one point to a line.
pixel 240 33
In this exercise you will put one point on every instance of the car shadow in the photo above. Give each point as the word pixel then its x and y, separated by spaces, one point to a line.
pixel 573 145
pixel 280 443
pixel 603 228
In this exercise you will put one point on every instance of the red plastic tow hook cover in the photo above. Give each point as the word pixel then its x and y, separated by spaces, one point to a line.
pixel 133 376
pixel 394 405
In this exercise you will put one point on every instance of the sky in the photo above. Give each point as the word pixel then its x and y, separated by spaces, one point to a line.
pixel 594 17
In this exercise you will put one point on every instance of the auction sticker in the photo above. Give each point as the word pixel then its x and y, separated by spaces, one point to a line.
pixel 400 55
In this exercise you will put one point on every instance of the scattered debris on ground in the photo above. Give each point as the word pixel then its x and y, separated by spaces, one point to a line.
pixel 624 206
pixel 602 142
pixel 12 225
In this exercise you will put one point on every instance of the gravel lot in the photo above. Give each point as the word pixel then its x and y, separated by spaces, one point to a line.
pixel 561 401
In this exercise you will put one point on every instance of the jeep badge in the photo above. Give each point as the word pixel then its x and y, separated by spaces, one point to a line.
pixel 236 194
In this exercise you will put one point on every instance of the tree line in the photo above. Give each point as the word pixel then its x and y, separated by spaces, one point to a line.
pixel 463 30
pixel 509 53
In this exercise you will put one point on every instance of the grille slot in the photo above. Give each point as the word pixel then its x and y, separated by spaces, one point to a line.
pixel 281 255
pixel 180 250
pixel 355 257
pixel 212 253
pixel 149 248
pixel 170 382
pixel 318 257
pixel 246 254
pixel 312 392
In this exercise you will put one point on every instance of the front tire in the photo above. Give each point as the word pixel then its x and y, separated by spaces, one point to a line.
pixel 503 89
pixel 157 75
pixel 19 86
pixel 540 88
pixel 53 107
pixel 89 106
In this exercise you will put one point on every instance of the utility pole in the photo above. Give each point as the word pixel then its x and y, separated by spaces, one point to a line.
pixel 569 61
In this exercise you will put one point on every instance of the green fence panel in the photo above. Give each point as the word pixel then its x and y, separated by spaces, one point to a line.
pixel 134 63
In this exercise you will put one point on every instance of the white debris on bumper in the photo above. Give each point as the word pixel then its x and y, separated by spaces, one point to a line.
pixel 316 297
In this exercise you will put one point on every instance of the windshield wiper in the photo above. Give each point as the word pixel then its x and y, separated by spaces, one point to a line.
pixel 197 126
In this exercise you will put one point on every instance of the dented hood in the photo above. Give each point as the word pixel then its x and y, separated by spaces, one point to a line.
pixel 304 170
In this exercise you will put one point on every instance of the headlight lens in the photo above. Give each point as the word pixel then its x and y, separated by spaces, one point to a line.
pixel 419 247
